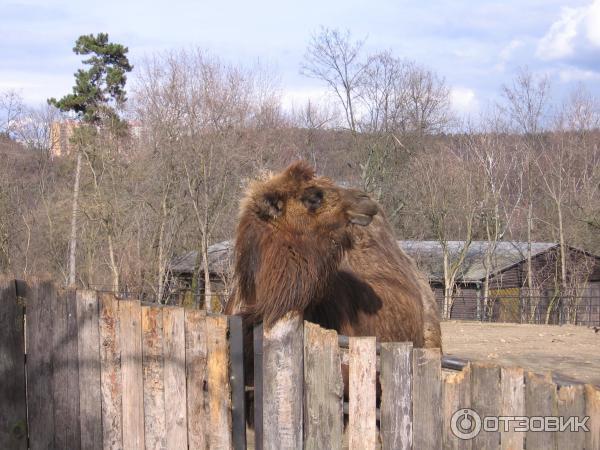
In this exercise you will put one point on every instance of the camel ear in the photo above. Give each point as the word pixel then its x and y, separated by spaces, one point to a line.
pixel 270 205
pixel 300 171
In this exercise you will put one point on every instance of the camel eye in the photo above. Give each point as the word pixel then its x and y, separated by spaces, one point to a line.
pixel 312 198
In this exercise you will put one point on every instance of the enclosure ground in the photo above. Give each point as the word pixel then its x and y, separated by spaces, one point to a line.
pixel 571 350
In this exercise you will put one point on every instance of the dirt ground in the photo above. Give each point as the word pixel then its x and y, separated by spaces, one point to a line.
pixel 571 350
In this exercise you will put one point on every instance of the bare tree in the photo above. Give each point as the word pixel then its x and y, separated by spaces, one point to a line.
pixel 449 204
pixel 333 58
pixel 11 111
pixel 526 101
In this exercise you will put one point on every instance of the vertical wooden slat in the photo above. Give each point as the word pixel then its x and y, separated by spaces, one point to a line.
pixel 90 400
pixel 592 410
pixel 195 360
pixel 41 299
pixel 427 399
pixel 257 340
pixel 570 403
pixel 282 384
pixel 66 372
pixel 110 370
pixel 13 415
pixel 131 372
pixel 512 389
pixel 486 401
pixel 540 400
pixel 238 387
pixel 175 385
pixel 152 368
pixel 396 395
pixel 323 389
pixel 362 425
pixel 219 398
pixel 456 396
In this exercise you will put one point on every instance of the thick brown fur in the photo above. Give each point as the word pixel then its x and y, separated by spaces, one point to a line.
pixel 304 244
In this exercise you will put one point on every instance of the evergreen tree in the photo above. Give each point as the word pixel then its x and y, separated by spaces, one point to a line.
pixel 99 90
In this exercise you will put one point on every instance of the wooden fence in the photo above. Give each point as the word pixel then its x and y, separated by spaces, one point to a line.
pixel 116 374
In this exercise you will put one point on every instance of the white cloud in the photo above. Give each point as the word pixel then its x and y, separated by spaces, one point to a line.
pixel 577 27
pixel 463 100
pixel 574 74
pixel 297 98
pixel 506 53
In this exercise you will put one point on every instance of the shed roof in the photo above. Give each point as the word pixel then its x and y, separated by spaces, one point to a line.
pixel 427 254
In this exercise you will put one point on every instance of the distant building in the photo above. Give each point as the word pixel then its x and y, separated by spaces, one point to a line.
pixel 61 133
pixel 60 137
pixel 509 297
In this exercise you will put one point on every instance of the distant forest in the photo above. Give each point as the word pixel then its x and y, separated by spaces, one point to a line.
pixel 199 128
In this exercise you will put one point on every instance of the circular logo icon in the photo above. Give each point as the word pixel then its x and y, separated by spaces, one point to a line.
pixel 465 424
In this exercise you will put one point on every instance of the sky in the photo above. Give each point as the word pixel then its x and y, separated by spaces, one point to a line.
pixel 476 46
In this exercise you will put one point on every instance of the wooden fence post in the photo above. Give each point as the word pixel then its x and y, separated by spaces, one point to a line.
pixel 592 410
pixel 486 401
pixel 540 400
pixel 362 425
pixel 323 389
pixel 282 384
pixel 110 373
pixel 456 395
pixel 238 386
pixel 427 399
pixel 13 414
pixel 174 373
pixel 512 390
pixel 396 396
pixel 195 361
pixel 65 363
pixel 257 342
pixel 153 373
pixel 571 403
pixel 131 372
pixel 40 301
pixel 219 388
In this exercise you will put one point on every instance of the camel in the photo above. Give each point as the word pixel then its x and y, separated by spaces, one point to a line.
pixel 305 244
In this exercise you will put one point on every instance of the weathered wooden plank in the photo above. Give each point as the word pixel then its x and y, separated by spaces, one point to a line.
pixel 154 388
pixel 66 372
pixel 396 395
pixel 219 398
pixel 323 389
pixel 131 372
pixel 512 389
pixel 13 414
pixel 592 410
pixel 257 341
pixel 540 400
pixel 40 302
pixel 486 401
pixel 90 400
pixel 238 385
pixel 110 371
pixel 175 384
pixel 570 403
pixel 195 360
pixel 362 423
pixel 427 399
pixel 282 384
pixel 456 397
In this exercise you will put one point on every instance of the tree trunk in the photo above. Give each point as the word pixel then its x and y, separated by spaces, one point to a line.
pixel 74 213
pixel 207 287
pixel 113 265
